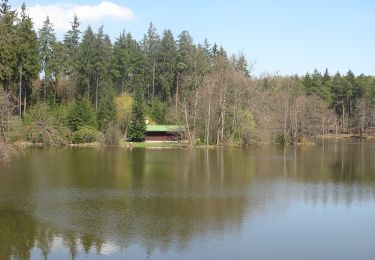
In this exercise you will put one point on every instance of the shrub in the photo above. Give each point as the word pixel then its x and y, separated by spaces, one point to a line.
pixel 15 129
pixel 107 108
pixel 6 150
pixel 112 134
pixel 158 111
pixel 124 109
pixel 81 114
pixel 280 139
pixel 85 134
pixel 40 126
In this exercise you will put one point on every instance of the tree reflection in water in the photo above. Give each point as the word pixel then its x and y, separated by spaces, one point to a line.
pixel 108 200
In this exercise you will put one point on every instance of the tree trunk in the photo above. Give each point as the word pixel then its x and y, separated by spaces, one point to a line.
pixel 286 115
pixel 343 115
pixel 96 93
pixel 24 99
pixel 177 81
pixel 207 137
pixel 153 83
pixel 187 122
pixel 195 116
pixel 56 82
pixel 88 90
pixel 20 91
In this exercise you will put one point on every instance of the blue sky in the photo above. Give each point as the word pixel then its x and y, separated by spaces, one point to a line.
pixel 286 36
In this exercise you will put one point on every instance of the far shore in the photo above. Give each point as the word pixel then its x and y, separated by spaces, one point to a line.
pixel 169 144
pixel 345 136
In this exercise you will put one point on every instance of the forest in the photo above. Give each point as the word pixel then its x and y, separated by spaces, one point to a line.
pixel 86 88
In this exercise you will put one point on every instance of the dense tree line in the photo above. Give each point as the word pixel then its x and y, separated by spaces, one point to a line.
pixel 212 94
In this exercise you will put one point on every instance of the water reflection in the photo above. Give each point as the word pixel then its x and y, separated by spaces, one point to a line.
pixel 105 201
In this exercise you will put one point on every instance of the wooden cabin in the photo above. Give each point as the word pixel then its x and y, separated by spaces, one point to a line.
pixel 163 133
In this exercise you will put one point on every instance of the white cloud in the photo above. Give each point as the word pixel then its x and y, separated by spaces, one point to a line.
pixel 62 14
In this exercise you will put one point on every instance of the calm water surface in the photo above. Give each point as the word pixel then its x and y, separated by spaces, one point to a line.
pixel 315 202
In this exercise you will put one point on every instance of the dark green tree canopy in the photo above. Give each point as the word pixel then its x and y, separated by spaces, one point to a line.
pixel 137 128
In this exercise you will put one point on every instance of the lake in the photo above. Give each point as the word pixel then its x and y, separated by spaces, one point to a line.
pixel 267 202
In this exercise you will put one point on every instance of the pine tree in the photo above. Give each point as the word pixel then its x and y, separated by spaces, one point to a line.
pixel 102 56
pixel 136 62
pixel 81 114
pixel 71 42
pixel 107 108
pixel 47 40
pixel 86 62
pixel 27 57
pixel 120 62
pixel 151 43
pixel 8 45
pixel 57 65
pixel 137 128
pixel 167 64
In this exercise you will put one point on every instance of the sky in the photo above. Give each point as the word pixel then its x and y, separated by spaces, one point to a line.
pixel 284 37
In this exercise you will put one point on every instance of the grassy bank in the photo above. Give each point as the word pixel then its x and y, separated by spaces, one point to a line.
pixel 346 136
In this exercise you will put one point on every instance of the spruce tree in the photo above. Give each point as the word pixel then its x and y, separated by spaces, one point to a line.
pixel 81 114
pixel 102 52
pixel 120 62
pixel 137 126
pixel 47 40
pixel 27 57
pixel 86 58
pixel 107 108
pixel 8 45
pixel 167 64
pixel 71 42
pixel 151 42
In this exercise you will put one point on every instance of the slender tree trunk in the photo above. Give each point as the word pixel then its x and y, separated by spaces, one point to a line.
pixel 349 115
pixel 20 91
pixel 96 93
pixel 153 82
pixel 363 117
pixel 208 123
pixel 336 124
pixel 223 118
pixel 88 90
pixel 56 83
pixel 195 116
pixel 24 99
pixel 122 85
pixel 343 115
pixel 177 82
pixel 286 115
pixel 187 122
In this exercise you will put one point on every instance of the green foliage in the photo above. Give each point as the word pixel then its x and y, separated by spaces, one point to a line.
pixel 246 126
pixel 280 139
pixel 8 57
pixel 124 104
pixel 15 129
pixel 209 91
pixel 137 128
pixel 71 43
pixel 40 126
pixel 86 62
pixel 107 108
pixel 112 134
pixel 85 134
pixel 158 111
pixel 81 114
pixel 47 41
pixel 27 54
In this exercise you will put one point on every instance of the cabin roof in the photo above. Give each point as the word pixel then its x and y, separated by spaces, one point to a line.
pixel 163 128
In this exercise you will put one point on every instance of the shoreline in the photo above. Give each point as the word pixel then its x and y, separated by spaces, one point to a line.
pixel 346 136
pixel 169 144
